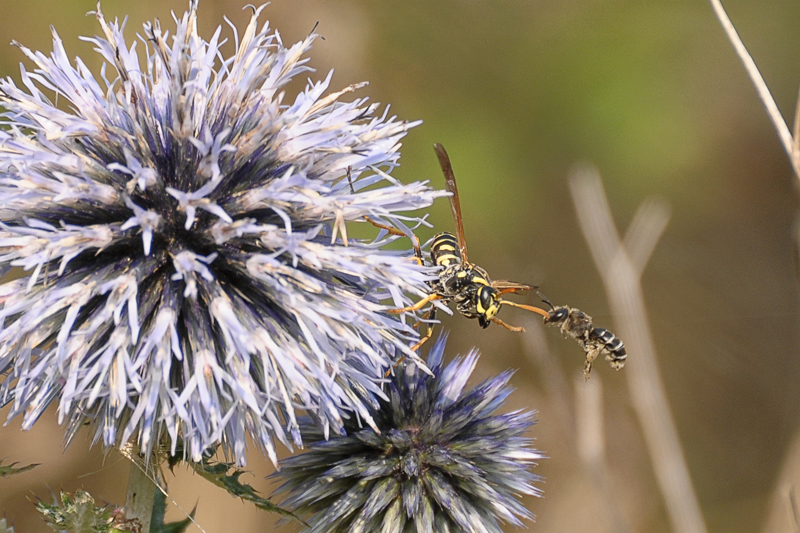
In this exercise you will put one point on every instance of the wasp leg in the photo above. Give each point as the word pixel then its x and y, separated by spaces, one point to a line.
pixel 429 315
pixel 389 372
pixel 394 231
pixel 417 306
pixel 391 229
pixel 508 327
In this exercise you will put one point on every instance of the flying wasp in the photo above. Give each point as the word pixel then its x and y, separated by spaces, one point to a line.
pixel 576 324
pixel 465 284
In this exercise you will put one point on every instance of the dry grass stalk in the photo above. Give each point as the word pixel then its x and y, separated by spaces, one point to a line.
pixel 790 143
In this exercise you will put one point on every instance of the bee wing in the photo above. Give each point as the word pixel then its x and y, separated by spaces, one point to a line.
pixel 455 205
pixel 504 286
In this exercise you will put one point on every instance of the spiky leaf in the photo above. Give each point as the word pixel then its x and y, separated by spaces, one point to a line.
pixel 10 470
pixel 157 524
pixel 226 475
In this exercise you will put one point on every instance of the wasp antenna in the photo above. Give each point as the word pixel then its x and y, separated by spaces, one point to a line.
pixel 526 307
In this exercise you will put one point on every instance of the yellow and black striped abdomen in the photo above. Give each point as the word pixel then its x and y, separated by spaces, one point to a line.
pixel 445 250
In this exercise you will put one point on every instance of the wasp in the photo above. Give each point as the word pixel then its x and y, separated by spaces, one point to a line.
pixel 595 341
pixel 465 284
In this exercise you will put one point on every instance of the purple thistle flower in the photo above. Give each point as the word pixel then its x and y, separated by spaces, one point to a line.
pixel 443 461
pixel 178 232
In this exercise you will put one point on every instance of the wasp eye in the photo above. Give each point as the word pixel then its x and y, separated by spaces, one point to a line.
pixel 486 298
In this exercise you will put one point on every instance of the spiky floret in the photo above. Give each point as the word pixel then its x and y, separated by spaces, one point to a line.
pixel 444 461
pixel 177 229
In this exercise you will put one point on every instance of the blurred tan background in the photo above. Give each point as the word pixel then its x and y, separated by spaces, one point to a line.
pixel 518 92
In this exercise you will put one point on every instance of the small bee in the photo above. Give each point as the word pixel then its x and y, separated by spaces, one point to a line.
pixel 465 284
pixel 578 325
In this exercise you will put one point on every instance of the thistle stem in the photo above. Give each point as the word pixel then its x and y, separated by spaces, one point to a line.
pixel 140 498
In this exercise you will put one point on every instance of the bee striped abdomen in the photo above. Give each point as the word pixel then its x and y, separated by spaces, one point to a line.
pixel 445 250
pixel 606 343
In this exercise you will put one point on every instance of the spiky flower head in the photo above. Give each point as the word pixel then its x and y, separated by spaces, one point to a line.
pixel 444 460
pixel 177 226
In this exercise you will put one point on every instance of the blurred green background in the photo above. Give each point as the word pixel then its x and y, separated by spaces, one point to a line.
pixel 519 92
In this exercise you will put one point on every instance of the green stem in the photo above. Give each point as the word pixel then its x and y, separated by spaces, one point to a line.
pixel 141 494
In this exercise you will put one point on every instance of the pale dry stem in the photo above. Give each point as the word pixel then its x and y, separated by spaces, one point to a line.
pixel 592 446
pixel 621 270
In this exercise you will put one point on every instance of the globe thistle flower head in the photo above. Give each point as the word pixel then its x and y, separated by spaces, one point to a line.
pixel 180 230
pixel 443 461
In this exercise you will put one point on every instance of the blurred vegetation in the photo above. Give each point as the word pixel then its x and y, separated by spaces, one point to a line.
pixel 518 92
pixel 77 513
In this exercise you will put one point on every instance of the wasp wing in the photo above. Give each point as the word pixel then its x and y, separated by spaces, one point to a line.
pixel 504 286
pixel 455 205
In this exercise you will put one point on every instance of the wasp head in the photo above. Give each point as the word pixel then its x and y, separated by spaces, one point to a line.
pixel 487 304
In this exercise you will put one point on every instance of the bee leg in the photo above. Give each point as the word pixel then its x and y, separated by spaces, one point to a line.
pixel 392 230
pixel 591 354
pixel 430 315
pixel 417 306
pixel 508 327
pixel 587 369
